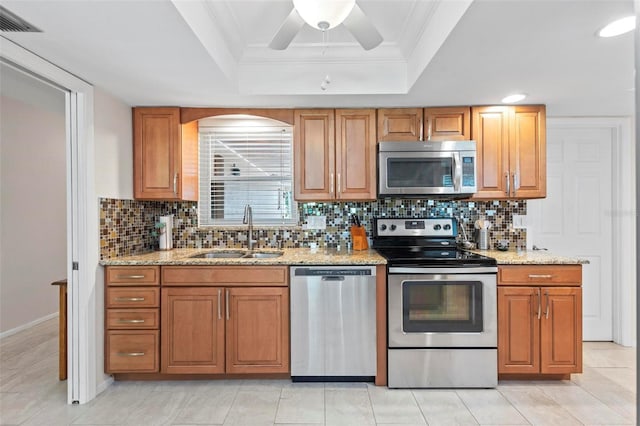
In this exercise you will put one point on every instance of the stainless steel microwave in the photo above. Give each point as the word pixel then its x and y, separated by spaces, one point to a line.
pixel 427 169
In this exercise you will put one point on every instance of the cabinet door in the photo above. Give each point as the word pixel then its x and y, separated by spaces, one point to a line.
pixel 314 155
pixel 527 156
pixel 400 124
pixel 561 330
pixel 192 330
pixel 258 330
pixel 156 152
pixel 518 330
pixel 356 154
pixel 447 124
pixel 491 133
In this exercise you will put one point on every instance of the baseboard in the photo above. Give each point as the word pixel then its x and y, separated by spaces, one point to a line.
pixel 104 385
pixel 27 325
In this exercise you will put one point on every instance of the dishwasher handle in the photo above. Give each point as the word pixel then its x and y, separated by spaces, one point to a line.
pixel 333 278
pixel 337 272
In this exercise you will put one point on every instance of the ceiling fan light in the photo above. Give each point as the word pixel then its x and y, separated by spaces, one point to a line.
pixel 618 27
pixel 517 97
pixel 324 14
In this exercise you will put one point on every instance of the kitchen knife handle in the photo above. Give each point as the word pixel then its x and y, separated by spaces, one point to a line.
pixel 508 191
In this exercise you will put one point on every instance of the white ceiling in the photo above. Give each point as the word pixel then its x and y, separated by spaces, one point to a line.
pixel 435 52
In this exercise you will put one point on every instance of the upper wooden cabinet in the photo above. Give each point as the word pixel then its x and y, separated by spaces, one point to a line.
pixel 165 155
pixel 428 124
pixel 400 124
pixel 511 151
pixel 447 123
pixel 335 154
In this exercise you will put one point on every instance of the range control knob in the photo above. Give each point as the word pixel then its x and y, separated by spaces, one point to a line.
pixel 393 227
pixel 436 227
pixel 383 227
pixel 447 227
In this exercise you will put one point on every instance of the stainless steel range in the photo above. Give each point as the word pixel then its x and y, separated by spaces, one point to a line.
pixel 442 306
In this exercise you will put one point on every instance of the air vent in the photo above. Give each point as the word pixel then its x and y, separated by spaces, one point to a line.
pixel 10 22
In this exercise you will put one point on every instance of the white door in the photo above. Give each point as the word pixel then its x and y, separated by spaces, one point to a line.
pixel 576 217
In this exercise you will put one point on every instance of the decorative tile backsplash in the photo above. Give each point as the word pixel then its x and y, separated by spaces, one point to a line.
pixel 126 226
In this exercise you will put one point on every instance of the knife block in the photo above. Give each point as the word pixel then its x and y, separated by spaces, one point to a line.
pixel 359 238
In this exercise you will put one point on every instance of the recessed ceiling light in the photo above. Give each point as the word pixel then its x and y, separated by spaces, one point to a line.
pixel 513 98
pixel 618 27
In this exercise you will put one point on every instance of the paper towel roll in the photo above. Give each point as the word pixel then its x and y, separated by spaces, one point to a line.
pixel 166 232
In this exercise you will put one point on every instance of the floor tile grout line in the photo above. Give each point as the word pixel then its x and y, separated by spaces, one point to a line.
pixel 413 395
pixel 525 417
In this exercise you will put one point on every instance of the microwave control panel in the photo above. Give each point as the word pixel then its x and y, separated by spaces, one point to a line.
pixel 468 171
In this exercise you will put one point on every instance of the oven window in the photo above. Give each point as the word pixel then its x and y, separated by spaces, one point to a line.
pixel 442 306
pixel 419 172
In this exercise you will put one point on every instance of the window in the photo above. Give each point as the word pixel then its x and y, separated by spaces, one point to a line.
pixel 246 160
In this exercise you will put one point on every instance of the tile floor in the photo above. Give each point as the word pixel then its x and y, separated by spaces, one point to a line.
pixel 30 394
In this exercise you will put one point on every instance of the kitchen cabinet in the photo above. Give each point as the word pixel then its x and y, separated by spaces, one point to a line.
pixel 165 155
pixel 335 155
pixel 132 339
pixel 230 319
pixel 539 320
pixel 428 124
pixel 511 151
pixel 400 124
pixel 447 123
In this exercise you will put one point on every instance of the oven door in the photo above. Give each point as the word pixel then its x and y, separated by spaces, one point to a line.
pixel 440 309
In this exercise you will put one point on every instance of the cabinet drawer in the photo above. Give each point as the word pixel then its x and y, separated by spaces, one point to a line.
pixel 132 351
pixel 133 297
pixel 133 275
pixel 548 275
pixel 133 318
pixel 255 276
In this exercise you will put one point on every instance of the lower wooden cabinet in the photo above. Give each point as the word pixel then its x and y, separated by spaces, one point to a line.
pixel 215 330
pixel 132 351
pixel 540 326
pixel 192 330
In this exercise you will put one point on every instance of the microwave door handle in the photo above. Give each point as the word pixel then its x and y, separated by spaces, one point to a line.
pixel 457 172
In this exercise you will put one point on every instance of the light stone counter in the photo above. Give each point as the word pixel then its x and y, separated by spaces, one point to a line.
pixel 527 257
pixel 291 256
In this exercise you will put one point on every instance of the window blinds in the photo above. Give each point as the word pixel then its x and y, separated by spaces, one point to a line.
pixel 240 166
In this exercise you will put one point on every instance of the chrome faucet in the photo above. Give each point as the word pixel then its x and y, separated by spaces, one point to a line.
pixel 248 220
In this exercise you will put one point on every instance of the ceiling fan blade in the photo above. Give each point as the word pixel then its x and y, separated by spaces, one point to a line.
pixel 287 31
pixel 362 29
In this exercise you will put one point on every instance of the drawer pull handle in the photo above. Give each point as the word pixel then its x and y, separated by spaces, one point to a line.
pixel 131 354
pixel 129 299
pixel 543 276
pixel 130 321
pixel 130 277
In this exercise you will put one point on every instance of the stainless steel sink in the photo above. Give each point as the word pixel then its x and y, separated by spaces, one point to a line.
pixel 238 255
pixel 262 255
pixel 220 255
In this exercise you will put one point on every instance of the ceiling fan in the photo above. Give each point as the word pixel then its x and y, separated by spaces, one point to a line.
pixel 325 15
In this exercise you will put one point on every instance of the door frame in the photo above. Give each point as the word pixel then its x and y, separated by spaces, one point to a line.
pixel 623 218
pixel 82 218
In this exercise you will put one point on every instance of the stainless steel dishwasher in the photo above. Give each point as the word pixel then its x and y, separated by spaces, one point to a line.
pixel 333 323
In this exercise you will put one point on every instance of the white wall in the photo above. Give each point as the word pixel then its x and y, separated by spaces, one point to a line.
pixel 113 147
pixel 33 199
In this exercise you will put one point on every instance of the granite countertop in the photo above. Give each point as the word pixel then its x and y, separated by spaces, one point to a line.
pixel 528 257
pixel 291 256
